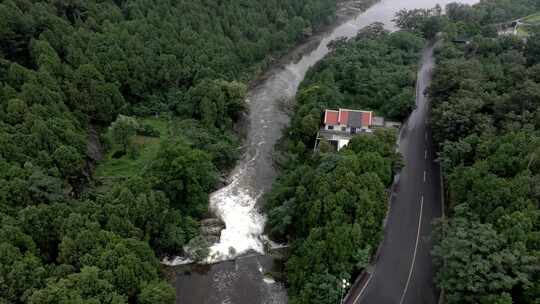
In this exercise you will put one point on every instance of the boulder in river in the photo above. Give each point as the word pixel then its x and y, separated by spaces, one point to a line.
pixel 210 229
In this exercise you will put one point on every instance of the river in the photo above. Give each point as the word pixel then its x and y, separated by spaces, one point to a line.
pixel 242 281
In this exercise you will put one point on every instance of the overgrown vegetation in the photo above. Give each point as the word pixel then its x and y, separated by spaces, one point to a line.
pixel 486 118
pixel 330 205
pixel 142 148
pixel 534 18
pixel 529 24
pixel 374 71
pixel 68 65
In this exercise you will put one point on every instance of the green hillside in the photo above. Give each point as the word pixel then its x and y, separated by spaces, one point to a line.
pixel 533 19
pixel 69 67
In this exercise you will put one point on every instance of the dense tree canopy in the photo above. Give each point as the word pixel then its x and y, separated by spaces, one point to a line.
pixel 460 21
pixel 331 209
pixel 68 69
pixel 330 205
pixel 486 113
pixel 374 71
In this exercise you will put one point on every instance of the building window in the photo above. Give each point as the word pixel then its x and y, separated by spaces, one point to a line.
pixel 330 127
pixel 343 129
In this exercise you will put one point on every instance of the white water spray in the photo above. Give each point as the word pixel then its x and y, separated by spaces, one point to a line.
pixel 235 206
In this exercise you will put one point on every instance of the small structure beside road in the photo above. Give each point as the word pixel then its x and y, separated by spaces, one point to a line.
pixel 521 27
pixel 340 126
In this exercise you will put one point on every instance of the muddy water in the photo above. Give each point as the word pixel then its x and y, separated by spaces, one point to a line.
pixel 242 281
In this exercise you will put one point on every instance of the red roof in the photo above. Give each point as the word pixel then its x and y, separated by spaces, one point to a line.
pixel 351 118
pixel 331 117
pixel 343 117
pixel 367 118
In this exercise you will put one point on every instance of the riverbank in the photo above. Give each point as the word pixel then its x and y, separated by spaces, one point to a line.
pixel 332 204
pixel 251 197
pixel 256 173
pixel 347 10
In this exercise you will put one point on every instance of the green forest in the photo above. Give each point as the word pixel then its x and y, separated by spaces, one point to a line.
pixel 157 85
pixel 486 119
pixel 117 119
pixel 330 205
pixel 374 71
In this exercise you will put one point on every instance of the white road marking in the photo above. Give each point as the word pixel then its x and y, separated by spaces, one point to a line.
pixel 415 250
pixel 363 288
pixel 425 154
pixel 425 136
pixel 424 176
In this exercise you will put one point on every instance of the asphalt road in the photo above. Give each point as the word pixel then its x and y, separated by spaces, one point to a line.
pixel 403 271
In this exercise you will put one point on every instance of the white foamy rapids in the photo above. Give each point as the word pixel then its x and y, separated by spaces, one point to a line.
pixel 244 225
pixel 269 280
pixel 176 261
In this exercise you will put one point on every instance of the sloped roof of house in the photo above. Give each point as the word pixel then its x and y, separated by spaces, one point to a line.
pixel 350 118
pixel 331 117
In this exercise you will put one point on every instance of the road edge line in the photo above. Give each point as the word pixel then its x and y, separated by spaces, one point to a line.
pixel 363 289
pixel 415 251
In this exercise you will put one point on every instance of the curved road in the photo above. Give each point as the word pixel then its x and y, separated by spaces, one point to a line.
pixel 403 271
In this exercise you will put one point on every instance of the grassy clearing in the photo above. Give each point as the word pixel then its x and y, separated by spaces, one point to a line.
pixel 147 148
pixel 534 18
pixel 525 30
pixel 530 21
pixel 522 31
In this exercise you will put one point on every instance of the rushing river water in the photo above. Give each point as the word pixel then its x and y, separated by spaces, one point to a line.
pixel 242 281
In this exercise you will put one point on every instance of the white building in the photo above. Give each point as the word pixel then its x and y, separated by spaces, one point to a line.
pixel 341 125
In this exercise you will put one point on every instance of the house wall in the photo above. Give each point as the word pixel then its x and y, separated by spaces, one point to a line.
pixel 347 129
pixel 337 128
pixel 342 143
